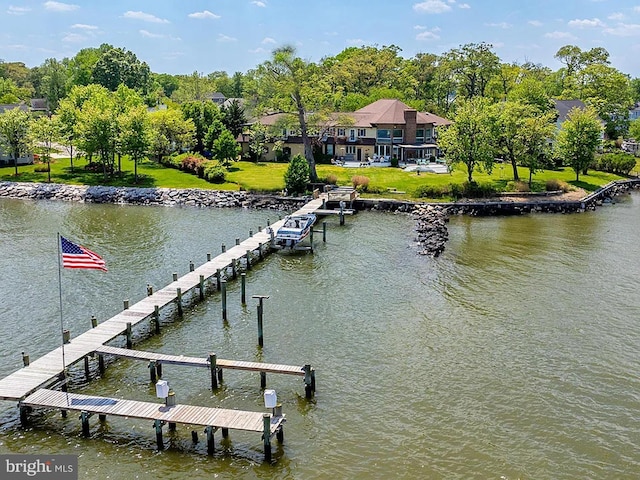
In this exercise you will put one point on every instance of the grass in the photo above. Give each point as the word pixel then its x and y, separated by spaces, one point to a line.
pixel 268 177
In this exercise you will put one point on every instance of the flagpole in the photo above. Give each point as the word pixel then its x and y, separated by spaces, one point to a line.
pixel 64 372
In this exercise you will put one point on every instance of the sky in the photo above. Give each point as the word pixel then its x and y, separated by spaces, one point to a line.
pixel 186 36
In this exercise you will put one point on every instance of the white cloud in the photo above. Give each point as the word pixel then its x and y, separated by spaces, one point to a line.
pixel 82 26
pixel 616 16
pixel 258 3
pixel 12 10
pixel 205 14
pixel 145 17
pixel 73 38
pixel 266 40
pixel 559 35
pixel 586 23
pixel 432 6
pixel 258 50
pixel 148 34
pixel 419 27
pixel 59 6
pixel 503 25
pixel 226 39
pixel 427 35
pixel 535 23
pixel 464 6
pixel 624 30
pixel 356 41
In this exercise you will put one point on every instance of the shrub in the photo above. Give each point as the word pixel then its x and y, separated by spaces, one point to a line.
pixel 477 190
pixel 394 161
pixel 432 191
pixel 619 163
pixel 331 179
pixel 41 168
pixel 297 175
pixel 360 183
pixel 214 173
pixel 553 185
pixel 517 187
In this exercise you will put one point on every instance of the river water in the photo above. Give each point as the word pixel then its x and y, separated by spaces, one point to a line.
pixel 512 356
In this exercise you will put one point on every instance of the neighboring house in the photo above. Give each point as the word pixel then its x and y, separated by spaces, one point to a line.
pixel 40 105
pixel 7 159
pixel 634 113
pixel 383 129
pixel 563 107
pixel 216 97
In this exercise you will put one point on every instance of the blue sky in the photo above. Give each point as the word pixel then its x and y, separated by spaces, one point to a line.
pixel 183 36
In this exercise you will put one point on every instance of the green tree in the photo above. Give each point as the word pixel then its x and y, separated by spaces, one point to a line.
pixel 474 65
pixel 634 129
pixel 536 133
pixel 290 84
pixel 44 131
pixel 202 114
pixel 135 138
pixel 226 149
pixel 170 132
pixel 233 117
pixel 14 134
pixel 54 82
pixel 258 139
pixel 296 177
pixel 579 138
pixel 119 66
pixel 97 128
pixel 469 139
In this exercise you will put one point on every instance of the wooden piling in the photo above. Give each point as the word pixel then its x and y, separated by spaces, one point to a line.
pixel 94 321
pixel 223 294
pixel 250 233
pixel 324 232
pixel 224 248
pixel 156 318
pixel 260 311
pixel 101 364
pixel 192 267
pixel 225 433
pixel 66 336
pixel 243 289
pixel 263 380
pixel 218 279
pixel 220 370
pixel 208 257
pixel 125 304
pixel 309 381
pixel 234 268
pixel 152 372
pixel 213 367
pixel 266 436
pixel 84 417
pixel 194 436
pixel 260 255
pixel 25 359
pixel 172 427
pixel 129 339
pixel 179 300
pixel 149 290
pixel 102 417
pixel 175 277
pixel 87 373
pixel 159 369
pixel 237 241
pixel 201 287
pixel 158 426
pixel 341 213
pixel 211 448
pixel 248 260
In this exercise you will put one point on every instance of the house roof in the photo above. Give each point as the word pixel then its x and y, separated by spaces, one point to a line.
pixel 564 107
pixel 389 111
pixel 41 104
pixel 10 106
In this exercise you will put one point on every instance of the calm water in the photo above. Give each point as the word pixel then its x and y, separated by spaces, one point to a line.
pixel 512 356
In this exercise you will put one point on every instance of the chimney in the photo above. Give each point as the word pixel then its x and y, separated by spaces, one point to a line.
pixel 410 117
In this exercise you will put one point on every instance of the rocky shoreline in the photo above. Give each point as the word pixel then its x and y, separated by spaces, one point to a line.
pixel 431 219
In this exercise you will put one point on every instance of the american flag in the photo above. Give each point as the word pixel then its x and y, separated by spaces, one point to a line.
pixel 76 256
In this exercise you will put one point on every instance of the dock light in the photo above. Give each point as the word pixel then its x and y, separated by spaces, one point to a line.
pixel 162 389
pixel 270 398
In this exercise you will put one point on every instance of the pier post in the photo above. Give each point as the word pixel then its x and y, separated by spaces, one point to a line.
pixel 260 245
pixel 311 238
pixel 324 231
pixel 266 435
pixel 102 417
pixel 341 213
pixel 25 359
pixel 250 233
pixel 234 268
pixel 260 312
pixel 208 257
pixel 149 290
pixel 192 267
pixel 125 304
pixel 248 260
pixel 87 373
pixel 194 436
pixel 213 367
pixel 24 415
pixel 218 279
pixel 237 241
pixel 224 248
pixel 84 417
pixel 225 433
pixel 220 375
pixel 175 277
pixel 66 336
pixel 263 380
pixel 223 293
pixel 179 300
pixel 152 372
pixel 156 318
pixel 211 448
pixel 201 287
pixel 268 223
pixel 159 370
pixel 94 321
pixel 129 340
pixel 101 364
pixel 158 426
pixel 309 381
pixel 243 289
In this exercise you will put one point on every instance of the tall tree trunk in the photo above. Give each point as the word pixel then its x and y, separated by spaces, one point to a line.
pixel 306 141
pixel 15 162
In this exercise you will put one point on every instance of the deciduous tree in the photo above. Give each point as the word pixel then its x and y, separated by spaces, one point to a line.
pixel 14 134
pixel 579 138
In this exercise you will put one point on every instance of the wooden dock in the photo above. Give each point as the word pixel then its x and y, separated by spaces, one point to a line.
pixel 30 385
pixel 212 418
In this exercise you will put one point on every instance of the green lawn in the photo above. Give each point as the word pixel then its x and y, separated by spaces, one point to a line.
pixel 268 177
